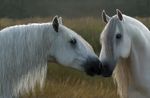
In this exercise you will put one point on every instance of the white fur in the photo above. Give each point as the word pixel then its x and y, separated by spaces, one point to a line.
pixel 25 50
pixel 132 72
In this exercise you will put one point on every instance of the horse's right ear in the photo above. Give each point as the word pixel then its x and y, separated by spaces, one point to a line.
pixel 55 23
pixel 60 20
pixel 105 17
pixel 119 14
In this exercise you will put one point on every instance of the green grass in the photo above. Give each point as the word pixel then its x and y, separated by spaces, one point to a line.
pixel 64 82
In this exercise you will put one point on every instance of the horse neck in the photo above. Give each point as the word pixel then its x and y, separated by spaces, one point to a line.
pixel 40 35
pixel 140 54
pixel 140 59
pixel 125 76
pixel 49 43
pixel 139 68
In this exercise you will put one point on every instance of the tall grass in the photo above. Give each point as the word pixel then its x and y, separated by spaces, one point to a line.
pixel 68 83
pixel 64 82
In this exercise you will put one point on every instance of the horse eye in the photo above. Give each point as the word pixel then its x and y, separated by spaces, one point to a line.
pixel 118 36
pixel 73 41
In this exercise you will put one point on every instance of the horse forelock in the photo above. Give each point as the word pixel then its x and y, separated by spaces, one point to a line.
pixel 108 35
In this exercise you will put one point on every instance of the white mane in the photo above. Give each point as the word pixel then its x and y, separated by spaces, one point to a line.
pixel 23 58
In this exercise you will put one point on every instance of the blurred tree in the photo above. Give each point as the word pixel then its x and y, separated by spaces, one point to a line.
pixel 71 8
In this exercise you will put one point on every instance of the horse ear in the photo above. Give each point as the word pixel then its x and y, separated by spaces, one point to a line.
pixel 60 20
pixel 55 23
pixel 119 14
pixel 105 17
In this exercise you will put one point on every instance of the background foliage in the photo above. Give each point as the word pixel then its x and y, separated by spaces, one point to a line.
pixel 71 8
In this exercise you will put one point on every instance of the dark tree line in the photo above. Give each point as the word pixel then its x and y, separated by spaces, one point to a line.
pixel 71 8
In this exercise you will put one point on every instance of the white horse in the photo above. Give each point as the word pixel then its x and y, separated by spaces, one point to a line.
pixel 126 48
pixel 25 50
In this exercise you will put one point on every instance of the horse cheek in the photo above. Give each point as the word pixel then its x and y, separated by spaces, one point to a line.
pixel 126 48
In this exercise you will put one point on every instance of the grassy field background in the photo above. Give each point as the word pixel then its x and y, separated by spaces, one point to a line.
pixel 64 82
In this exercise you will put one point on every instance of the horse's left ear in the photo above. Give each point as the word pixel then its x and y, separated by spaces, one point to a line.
pixel 105 17
pixel 55 23
pixel 119 14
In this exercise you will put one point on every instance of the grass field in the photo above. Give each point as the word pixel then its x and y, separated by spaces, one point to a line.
pixel 64 82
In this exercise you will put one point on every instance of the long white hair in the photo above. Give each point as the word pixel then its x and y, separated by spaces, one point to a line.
pixel 25 50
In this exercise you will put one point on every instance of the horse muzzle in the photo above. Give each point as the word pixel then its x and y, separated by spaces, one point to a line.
pixel 93 67
pixel 106 70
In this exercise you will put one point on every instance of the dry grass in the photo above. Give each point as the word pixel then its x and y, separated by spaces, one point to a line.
pixel 64 82
pixel 68 83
